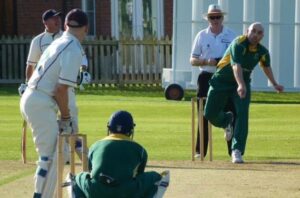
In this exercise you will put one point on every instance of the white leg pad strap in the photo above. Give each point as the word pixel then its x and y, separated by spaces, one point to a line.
pixel 41 174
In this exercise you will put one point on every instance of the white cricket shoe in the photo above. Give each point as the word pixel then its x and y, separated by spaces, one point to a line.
pixel 237 157
pixel 68 184
pixel 228 131
pixel 162 184
pixel 197 155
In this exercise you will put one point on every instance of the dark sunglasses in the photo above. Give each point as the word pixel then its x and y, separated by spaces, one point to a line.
pixel 214 17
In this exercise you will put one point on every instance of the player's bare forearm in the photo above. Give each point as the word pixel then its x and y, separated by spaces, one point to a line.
pixel 268 72
pixel 238 75
pixel 196 61
pixel 202 61
pixel 62 99
pixel 29 71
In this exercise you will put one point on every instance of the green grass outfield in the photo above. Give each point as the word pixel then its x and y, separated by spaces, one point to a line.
pixel 164 127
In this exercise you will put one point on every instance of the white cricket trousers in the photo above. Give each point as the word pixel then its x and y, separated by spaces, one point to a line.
pixel 40 112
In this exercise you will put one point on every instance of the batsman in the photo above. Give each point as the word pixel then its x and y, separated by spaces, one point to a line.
pixel 52 22
pixel 47 92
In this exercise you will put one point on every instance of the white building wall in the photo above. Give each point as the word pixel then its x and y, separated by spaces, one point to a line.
pixel 281 20
pixel 297 46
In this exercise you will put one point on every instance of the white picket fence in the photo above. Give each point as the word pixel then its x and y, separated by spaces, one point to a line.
pixel 124 61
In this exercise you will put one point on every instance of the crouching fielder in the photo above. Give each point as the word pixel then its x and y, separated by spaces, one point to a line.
pixel 47 89
pixel 117 166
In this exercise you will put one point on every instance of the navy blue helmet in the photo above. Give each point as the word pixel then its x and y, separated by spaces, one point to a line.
pixel 121 122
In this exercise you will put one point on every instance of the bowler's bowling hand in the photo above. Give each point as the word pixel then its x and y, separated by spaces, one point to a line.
pixel 279 88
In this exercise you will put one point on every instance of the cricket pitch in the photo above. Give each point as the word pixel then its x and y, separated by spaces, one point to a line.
pixel 188 179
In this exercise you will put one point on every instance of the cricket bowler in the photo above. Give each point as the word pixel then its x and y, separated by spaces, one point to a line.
pixel 232 81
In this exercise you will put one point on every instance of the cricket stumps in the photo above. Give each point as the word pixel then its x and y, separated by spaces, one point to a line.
pixel 71 138
pixel 201 129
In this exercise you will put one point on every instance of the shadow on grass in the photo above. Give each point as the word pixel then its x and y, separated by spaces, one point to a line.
pixel 156 90
pixel 227 165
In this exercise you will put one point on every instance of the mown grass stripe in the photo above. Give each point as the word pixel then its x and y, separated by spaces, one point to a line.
pixel 13 178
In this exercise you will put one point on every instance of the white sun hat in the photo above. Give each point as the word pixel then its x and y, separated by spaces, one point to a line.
pixel 214 9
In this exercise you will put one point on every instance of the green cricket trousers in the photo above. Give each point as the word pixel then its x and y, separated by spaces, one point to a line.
pixel 143 186
pixel 218 96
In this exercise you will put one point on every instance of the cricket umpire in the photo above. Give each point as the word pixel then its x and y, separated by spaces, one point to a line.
pixel 48 86
pixel 117 166
pixel 208 48
pixel 232 81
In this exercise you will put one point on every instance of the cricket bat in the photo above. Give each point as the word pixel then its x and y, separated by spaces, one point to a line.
pixel 23 141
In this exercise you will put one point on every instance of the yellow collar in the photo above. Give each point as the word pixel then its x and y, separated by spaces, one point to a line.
pixel 117 137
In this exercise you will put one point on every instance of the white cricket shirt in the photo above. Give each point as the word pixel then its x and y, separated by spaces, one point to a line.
pixel 60 63
pixel 39 44
pixel 206 45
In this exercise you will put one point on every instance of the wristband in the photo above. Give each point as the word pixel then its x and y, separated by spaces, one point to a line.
pixel 65 117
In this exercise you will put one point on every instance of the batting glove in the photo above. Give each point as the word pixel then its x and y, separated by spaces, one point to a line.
pixel 22 88
pixel 67 126
pixel 85 78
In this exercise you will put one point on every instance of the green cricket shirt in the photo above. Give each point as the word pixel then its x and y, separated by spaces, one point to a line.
pixel 117 167
pixel 117 156
pixel 240 52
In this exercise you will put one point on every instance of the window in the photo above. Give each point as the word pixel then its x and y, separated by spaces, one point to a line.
pixel 148 18
pixel 88 6
pixel 137 18
pixel 8 17
pixel 125 17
